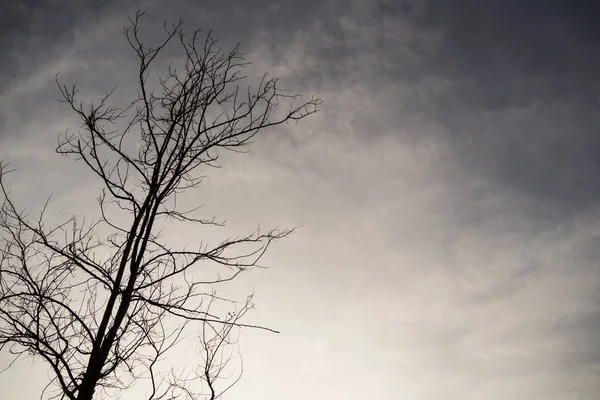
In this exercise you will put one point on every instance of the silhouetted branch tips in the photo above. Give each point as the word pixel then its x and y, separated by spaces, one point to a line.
pixel 103 302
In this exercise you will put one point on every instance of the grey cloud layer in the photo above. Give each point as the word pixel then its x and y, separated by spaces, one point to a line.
pixel 447 193
pixel 33 31
pixel 523 97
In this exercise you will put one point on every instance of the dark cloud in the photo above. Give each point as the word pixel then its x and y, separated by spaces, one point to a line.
pixel 536 38
pixel 522 102
pixel 33 33
pixel 520 90
pixel 517 89
pixel 33 30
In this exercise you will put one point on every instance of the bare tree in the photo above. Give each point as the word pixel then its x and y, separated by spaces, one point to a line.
pixel 103 302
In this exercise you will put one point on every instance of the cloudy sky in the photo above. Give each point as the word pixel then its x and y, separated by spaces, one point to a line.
pixel 448 191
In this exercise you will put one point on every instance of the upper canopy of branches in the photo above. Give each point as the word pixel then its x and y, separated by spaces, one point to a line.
pixel 181 124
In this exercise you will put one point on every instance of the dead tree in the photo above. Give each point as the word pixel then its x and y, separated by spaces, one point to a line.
pixel 103 302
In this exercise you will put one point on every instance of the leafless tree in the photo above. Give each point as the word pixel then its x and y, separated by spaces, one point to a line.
pixel 103 302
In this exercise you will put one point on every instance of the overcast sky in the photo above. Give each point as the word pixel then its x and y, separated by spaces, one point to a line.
pixel 448 191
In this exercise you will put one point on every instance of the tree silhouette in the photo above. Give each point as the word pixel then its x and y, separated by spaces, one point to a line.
pixel 103 302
